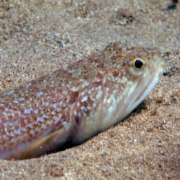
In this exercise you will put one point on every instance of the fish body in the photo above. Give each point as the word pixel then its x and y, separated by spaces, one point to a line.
pixel 77 102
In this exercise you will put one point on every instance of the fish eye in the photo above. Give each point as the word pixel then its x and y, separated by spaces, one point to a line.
pixel 138 63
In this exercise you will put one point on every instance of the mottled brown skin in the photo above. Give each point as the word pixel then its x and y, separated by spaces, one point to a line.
pixel 74 103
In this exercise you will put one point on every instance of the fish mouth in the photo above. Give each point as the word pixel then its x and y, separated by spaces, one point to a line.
pixel 143 92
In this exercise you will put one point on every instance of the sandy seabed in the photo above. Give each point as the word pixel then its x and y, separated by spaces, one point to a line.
pixel 37 37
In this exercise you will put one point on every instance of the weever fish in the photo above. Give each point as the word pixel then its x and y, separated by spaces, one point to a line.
pixel 75 103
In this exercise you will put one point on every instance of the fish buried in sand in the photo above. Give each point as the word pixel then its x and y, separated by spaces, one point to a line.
pixel 75 103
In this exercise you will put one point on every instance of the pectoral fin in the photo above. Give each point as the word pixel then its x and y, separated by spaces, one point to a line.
pixel 42 145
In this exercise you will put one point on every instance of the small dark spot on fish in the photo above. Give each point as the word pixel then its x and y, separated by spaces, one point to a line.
pixel 77 120
pixel 87 111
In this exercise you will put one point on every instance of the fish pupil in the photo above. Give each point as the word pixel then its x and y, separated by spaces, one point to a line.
pixel 138 64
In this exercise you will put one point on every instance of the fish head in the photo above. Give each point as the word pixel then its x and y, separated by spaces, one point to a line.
pixel 144 68
pixel 139 70
pixel 126 81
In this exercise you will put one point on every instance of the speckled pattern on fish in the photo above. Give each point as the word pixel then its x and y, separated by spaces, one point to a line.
pixel 77 102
